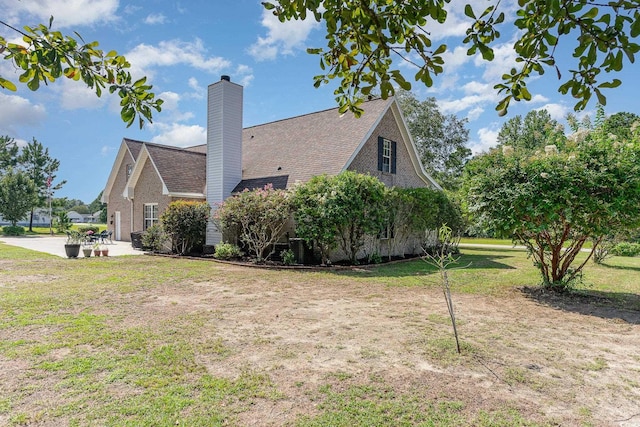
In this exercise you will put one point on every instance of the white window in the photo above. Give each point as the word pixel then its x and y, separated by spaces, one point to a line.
pixel 386 155
pixel 150 215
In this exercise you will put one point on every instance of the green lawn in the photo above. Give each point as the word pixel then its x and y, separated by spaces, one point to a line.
pixel 158 341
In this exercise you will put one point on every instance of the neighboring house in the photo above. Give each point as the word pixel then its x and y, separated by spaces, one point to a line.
pixel 75 216
pixel 41 218
pixel 146 177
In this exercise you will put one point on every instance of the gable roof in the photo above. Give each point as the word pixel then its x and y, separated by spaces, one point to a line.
pixel 308 145
pixel 280 153
pixel 181 172
pixel 130 146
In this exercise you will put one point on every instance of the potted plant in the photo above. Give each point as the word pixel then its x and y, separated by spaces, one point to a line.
pixel 87 251
pixel 96 249
pixel 105 251
pixel 72 247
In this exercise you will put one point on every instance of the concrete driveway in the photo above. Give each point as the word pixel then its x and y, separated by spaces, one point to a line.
pixel 55 245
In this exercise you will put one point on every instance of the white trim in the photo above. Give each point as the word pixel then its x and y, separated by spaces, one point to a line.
pixel 367 136
pixel 406 138
pixel 153 220
pixel 187 195
pixel 413 151
pixel 124 149
pixel 129 188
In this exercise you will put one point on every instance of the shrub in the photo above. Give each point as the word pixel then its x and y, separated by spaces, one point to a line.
pixel 227 251
pixel 62 222
pixel 288 257
pixel 85 228
pixel 346 207
pixel 10 230
pixel 186 225
pixel 154 238
pixel 259 216
pixel 626 249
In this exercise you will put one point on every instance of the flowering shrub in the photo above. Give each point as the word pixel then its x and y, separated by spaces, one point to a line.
pixel 259 216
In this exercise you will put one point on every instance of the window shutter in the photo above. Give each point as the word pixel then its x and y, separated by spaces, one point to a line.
pixel 393 156
pixel 380 150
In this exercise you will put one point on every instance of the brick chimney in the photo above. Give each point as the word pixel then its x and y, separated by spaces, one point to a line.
pixel 224 145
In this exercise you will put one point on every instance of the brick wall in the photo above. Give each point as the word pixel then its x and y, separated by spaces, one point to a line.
pixel 148 190
pixel 366 161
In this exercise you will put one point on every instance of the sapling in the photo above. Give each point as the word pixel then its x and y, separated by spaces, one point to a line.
pixel 442 258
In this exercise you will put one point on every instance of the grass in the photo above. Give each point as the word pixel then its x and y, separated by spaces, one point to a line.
pixel 86 357
pixel 46 231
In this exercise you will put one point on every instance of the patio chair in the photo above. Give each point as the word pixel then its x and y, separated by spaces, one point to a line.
pixel 104 236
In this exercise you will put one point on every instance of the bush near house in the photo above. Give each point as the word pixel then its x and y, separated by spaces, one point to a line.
pixel 185 223
pixel 258 216
pixel 355 212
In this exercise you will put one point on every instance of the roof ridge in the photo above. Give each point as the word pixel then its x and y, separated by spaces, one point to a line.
pixel 173 147
pixel 306 114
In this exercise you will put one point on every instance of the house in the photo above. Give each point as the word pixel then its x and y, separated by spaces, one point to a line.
pixel 41 218
pixel 146 177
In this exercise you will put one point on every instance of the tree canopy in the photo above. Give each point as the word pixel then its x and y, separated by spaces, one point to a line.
pixel 440 138
pixel 552 203
pixel 364 38
pixel 534 132
pixel 45 56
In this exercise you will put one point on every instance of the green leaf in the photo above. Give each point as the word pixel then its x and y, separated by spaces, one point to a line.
pixel 6 84
pixel 468 10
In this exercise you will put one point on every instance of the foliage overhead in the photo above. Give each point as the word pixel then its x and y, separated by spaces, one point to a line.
pixel 553 204
pixel 45 56
pixel 440 138
pixel 364 38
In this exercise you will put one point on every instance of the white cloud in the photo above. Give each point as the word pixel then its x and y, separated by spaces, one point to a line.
pixel 503 61
pixel 179 135
pixel 71 13
pixel 556 111
pixel 170 107
pixel 475 113
pixel 488 138
pixel 155 18
pixel 282 37
pixel 75 95
pixel 174 52
pixel 16 111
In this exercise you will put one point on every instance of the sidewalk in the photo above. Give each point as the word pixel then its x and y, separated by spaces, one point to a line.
pixel 55 245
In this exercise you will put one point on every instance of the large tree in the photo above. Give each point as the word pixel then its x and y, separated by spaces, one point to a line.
pixel 41 168
pixel 534 132
pixel 440 138
pixel 554 203
pixel 8 153
pixel 364 38
pixel 45 55
pixel 18 194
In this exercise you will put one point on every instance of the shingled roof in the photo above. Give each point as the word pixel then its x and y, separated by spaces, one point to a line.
pixel 278 153
pixel 182 171
pixel 308 145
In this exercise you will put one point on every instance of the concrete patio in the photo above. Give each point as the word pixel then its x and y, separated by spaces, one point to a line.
pixel 55 245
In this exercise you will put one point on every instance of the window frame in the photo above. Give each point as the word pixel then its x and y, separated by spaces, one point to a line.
pixel 150 218
pixel 387 155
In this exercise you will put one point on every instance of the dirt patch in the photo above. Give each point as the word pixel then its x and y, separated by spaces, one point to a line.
pixel 549 362
pixel 550 358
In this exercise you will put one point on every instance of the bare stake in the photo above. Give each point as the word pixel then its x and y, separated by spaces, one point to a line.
pixel 442 258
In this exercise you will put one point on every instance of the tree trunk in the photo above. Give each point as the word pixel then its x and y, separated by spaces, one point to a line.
pixel 31 222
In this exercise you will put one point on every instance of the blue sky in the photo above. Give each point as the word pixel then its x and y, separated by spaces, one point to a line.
pixel 184 46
